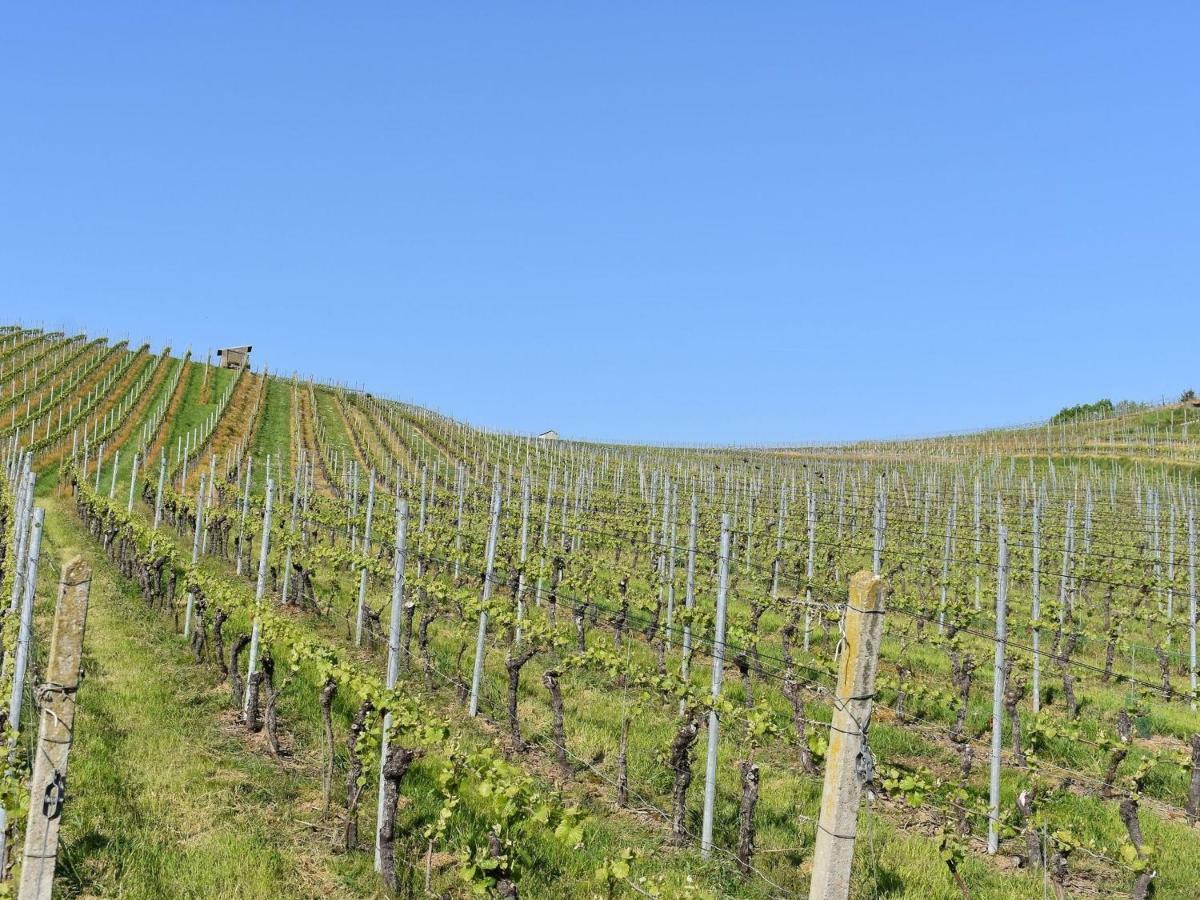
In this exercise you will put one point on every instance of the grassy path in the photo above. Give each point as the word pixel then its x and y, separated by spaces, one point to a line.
pixel 274 437
pixel 165 799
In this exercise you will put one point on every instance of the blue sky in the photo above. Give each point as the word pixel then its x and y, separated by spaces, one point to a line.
pixel 692 222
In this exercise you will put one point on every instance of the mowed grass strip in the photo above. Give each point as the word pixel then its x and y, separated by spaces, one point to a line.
pixel 165 796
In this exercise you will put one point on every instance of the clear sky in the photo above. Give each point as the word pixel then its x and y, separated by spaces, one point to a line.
pixel 695 222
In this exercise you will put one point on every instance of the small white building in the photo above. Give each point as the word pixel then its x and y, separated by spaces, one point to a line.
pixel 548 436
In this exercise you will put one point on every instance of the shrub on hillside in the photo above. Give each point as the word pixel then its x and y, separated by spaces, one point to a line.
pixel 1097 410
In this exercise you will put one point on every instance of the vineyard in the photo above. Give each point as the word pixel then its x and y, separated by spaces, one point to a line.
pixel 476 663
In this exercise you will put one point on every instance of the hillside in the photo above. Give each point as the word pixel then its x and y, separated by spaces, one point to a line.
pixel 542 720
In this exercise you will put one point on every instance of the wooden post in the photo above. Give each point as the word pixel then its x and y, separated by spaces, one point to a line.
pixel 57 694
pixel 27 583
pixel 526 500
pixel 158 497
pixel 360 618
pixel 393 665
pixel 477 670
pixel 1192 600
pixel 132 483
pixel 689 601
pixel 993 840
pixel 1036 590
pixel 191 601
pixel 718 669
pixel 834 850
pixel 259 590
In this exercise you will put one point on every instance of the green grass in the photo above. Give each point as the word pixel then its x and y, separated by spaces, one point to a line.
pixel 172 801
pixel 166 798
pixel 192 411
pixel 553 865
pixel 335 429
pixel 157 390
pixel 275 433
pixel 892 861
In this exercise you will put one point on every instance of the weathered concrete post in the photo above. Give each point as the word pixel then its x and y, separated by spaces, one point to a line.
pixel 57 696
pixel 848 752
